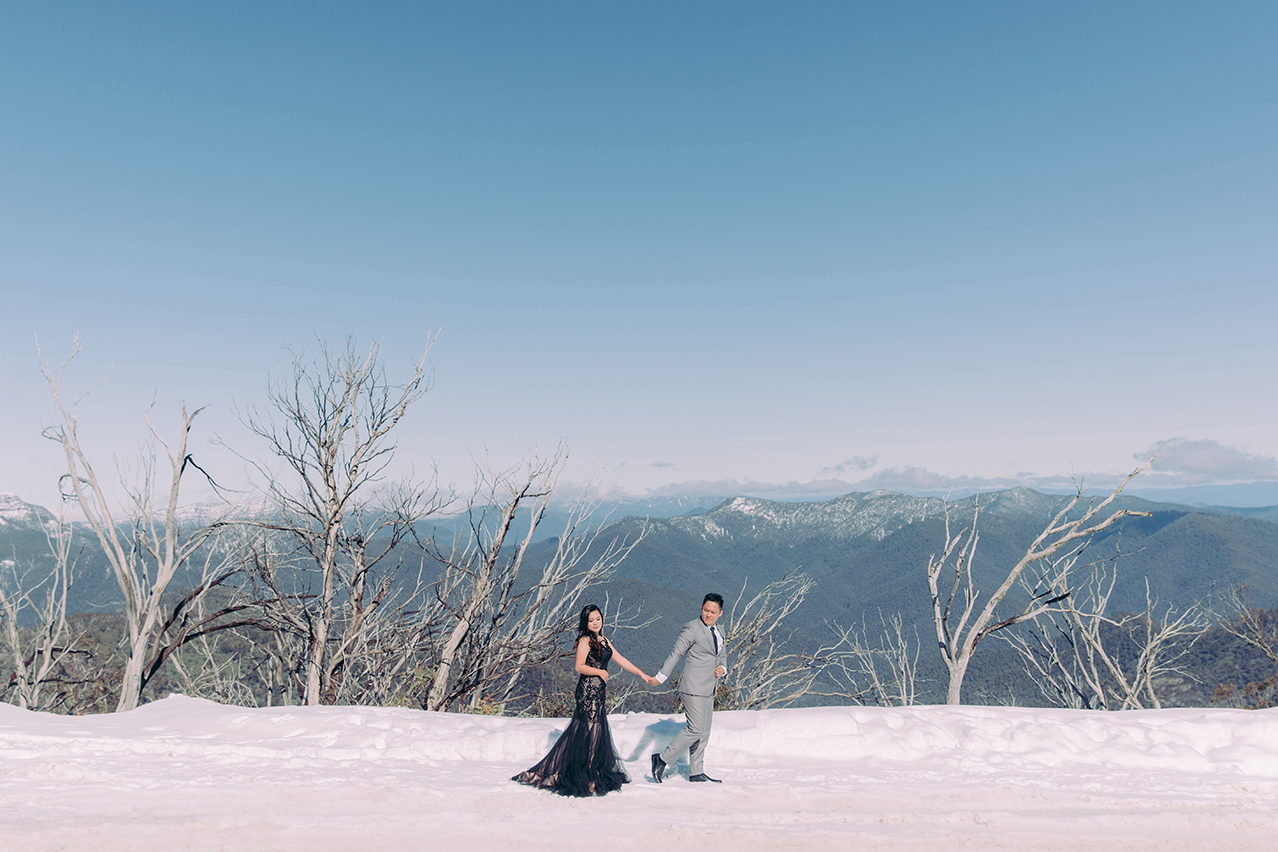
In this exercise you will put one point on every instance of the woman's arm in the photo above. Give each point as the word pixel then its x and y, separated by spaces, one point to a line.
pixel 631 667
pixel 583 648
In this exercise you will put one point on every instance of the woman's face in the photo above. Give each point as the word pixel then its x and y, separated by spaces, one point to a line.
pixel 594 621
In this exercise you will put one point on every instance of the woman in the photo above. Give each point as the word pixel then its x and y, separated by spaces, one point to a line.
pixel 584 761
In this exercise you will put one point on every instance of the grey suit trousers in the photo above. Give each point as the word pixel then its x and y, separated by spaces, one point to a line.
pixel 695 735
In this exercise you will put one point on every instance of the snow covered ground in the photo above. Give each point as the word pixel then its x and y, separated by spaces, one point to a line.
pixel 189 774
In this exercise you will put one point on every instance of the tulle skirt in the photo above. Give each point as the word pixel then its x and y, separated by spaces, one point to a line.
pixel 584 761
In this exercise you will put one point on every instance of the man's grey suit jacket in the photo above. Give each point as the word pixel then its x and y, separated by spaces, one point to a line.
pixel 696 643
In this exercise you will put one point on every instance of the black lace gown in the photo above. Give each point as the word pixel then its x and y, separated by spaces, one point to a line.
pixel 584 761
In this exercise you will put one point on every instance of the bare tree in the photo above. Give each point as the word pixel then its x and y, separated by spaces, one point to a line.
pixel 191 618
pixel 205 669
pixel 330 423
pixel 1257 628
pixel 492 620
pixel 959 630
pixel 144 542
pixel 882 671
pixel 1081 657
pixel 39 652
pixel 766 669
pixel 763 669
pixel 1253 625
pixel 373 633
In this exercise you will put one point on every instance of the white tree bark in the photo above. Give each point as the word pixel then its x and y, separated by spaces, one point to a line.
pixel 762 672
pixel 38 652
pixel 957 639
pixel 883 672
pixel 1081 657
pixel 331 422
pixel 491 620
pixel 144 544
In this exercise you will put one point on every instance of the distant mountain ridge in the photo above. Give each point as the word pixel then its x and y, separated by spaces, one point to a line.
pixel 15 514
pixel 866 551
pixel 876 513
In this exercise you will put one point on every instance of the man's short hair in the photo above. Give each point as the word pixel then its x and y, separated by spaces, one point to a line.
pixel 713 598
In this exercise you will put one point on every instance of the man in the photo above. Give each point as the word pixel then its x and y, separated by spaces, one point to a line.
pixel 706 662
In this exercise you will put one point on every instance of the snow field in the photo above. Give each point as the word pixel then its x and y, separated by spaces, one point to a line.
pixel 187 774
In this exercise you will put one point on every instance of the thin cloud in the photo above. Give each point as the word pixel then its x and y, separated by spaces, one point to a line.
pixel 1194 462
pixel 752 488
pixel 914 480
pixel 1181 462
pixel 855 463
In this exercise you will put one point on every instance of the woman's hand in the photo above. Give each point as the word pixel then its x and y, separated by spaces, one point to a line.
pixel 603 673
pixel 652 681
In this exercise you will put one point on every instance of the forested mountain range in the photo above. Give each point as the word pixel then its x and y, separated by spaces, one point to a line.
pixel 866 551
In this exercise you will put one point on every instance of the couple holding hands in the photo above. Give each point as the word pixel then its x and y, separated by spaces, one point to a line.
pixel 584 761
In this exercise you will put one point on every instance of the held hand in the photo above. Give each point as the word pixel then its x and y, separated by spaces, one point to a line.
pixel 720 671
pixel 651 681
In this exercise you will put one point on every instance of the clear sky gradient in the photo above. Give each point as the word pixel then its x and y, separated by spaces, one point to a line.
pixel 710 246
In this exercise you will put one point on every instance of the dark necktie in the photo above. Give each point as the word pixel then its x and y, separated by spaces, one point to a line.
pixel 715 637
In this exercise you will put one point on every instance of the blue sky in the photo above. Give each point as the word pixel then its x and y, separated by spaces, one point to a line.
pixel 710 246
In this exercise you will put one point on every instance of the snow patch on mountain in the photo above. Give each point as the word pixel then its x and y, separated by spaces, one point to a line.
pixel 17 514
pixel 876 514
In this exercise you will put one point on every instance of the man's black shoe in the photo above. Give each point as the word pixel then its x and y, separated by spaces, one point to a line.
pixel 701 776
pixel 658 767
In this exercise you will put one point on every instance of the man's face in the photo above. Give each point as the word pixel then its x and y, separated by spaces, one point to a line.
pixel 710 612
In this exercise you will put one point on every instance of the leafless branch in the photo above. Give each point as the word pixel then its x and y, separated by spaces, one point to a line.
pixel 1067 532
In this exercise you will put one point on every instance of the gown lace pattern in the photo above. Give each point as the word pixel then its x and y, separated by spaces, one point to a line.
pixel 584 761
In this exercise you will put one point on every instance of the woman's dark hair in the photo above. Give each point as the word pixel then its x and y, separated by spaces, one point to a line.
pixel 583 624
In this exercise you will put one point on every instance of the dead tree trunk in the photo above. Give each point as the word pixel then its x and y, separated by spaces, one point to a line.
pixel 37 653
pixel 1081 657
pixel 957 639
pixel 331 423
pixel 144 545
pixel 492 619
